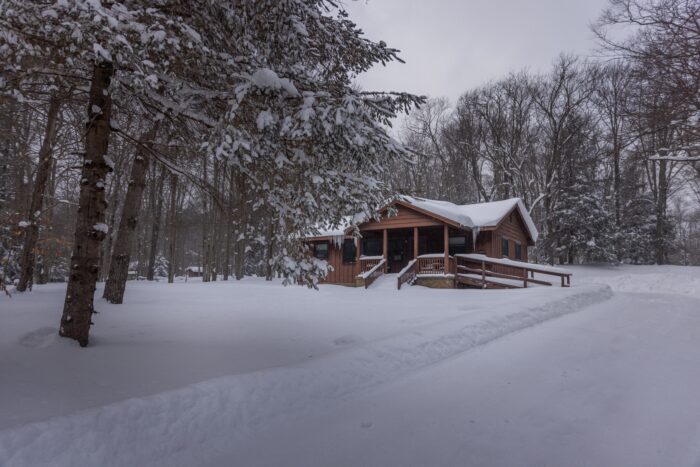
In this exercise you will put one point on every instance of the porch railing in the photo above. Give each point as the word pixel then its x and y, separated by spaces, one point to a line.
pixel 501 268
pixel 434 264
pixel 368 262
pixel 408 274
pixel 371 274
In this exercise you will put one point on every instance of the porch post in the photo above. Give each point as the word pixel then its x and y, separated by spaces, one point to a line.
pixel 415 242
pixel 386 248
pixel 447 248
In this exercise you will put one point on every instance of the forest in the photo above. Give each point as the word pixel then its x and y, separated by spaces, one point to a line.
pixel 138 141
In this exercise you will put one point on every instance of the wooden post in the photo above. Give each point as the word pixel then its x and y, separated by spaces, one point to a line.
pixel 415 242
pixel 446 231
pixel 358 253
pixel 385 232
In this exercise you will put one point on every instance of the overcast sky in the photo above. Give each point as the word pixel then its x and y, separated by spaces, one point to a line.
pixel 453 45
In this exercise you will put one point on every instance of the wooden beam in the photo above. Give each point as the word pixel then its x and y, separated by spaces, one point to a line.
pixel 385 233
pixel 446 231
pixel 415 242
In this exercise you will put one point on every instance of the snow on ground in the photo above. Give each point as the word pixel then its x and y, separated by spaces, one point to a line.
pixel 677 280
pixel 329 377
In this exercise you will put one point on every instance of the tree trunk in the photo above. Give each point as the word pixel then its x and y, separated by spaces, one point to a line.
pixel 42 175
pixel 171 228
pixel 229 219
pixel 241 231
pixel 90 228
pixel 269 250
pixel 661 201
pixel 155 231
pixel 121 253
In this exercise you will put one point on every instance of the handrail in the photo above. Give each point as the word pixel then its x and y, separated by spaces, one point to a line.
pixel 433 264
pixel 368 262
pixel 408 273
pixel 371 275
pixel 526 268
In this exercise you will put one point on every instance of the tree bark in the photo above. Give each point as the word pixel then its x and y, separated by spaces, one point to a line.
pixel 229 219
pixel 89 229
pixel 37 203
pixel 172 228
pixel 661 202
pixel 155 231
pixel 241 231
pixel 121 253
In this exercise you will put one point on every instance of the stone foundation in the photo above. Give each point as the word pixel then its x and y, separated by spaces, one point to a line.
pixel 436 282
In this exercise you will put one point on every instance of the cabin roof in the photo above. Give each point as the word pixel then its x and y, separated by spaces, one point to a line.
pixel 479 216
pixel 475 216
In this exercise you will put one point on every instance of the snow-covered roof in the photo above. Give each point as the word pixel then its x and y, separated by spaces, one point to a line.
pixel 194 268
pixel 471 216
pixel 475 216
pixel 341 230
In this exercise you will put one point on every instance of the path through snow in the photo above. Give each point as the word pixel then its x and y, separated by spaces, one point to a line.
pixel 615 385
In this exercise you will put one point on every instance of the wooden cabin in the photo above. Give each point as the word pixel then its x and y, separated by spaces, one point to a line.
pixel 432 243
pixel 193 271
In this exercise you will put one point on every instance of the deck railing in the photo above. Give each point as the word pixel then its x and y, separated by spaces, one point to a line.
pixel 434 264
pixel 368 262
pixel 520 271
pixel 371 274
pixel 408 274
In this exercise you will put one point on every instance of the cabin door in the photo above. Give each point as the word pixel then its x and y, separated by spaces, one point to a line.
pixel 399 249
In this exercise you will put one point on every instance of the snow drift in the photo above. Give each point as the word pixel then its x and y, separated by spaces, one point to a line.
pixel 187 425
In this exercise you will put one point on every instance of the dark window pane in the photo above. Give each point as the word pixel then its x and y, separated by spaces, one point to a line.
pixel 372 247
pixel 518 251
pixel 458 245
pixel 349 251
pixel 504 247
pixel 321 250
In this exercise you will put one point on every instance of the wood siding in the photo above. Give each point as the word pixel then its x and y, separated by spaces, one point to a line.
pixel 512 228
pixel 405 218
pixel 343 273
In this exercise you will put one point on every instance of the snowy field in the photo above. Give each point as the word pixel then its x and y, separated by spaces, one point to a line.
pixel 252 373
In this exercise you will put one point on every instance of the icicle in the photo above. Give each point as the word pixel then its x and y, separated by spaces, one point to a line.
pixel 475 233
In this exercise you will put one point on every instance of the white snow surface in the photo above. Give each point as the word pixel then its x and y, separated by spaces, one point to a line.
pixel 101 227
pixel 264 78
pixel 253 373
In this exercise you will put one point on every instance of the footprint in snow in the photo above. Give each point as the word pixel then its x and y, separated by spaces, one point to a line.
pixel 347 340
pixel 39 338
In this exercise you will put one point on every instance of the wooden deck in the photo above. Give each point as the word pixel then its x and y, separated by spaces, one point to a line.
pixel 475 270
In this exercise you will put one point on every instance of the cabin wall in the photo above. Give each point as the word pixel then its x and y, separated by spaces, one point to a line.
pixel 514 230
pixel 343 273
pixel 484 243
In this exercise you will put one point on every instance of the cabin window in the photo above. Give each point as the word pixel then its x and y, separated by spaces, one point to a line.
pixel 321 250
pixel 372 247
pixel 518 251
pixel 349 251
pixel 504 247
pixel 458 245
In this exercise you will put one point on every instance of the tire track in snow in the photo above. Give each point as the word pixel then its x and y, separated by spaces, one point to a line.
pixel 187 425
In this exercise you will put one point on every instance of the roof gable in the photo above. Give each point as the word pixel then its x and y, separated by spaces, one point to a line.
pixel 476 216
